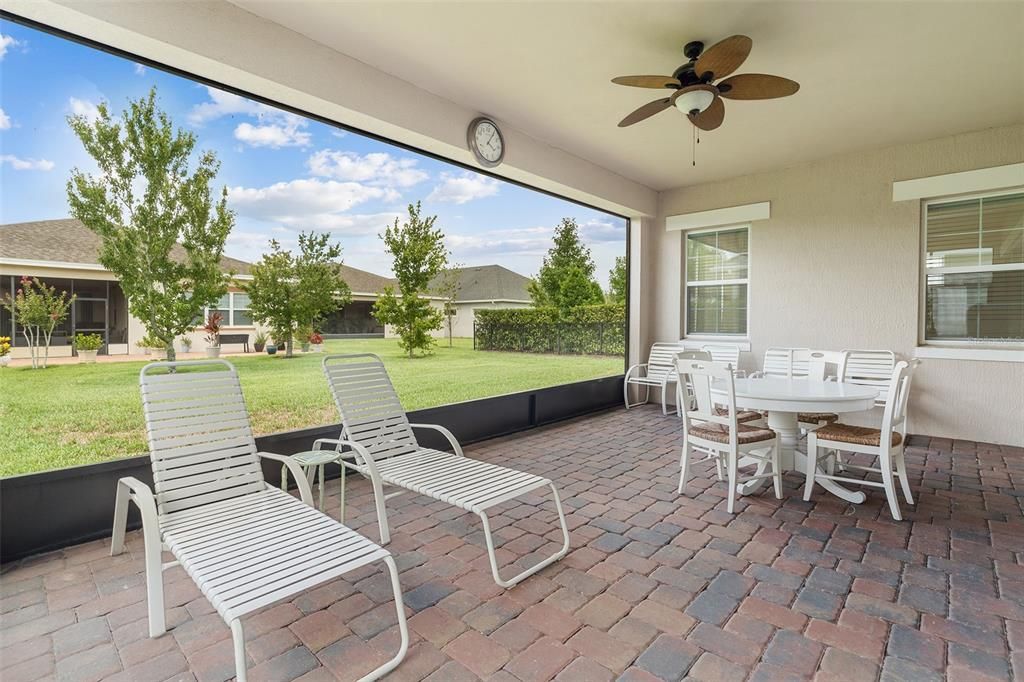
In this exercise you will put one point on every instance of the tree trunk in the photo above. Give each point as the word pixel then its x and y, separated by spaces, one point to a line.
pixel 171 354
pixel 290 342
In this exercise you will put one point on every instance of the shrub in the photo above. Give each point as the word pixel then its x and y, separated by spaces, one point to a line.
pixel 5 345
pixel 212 328
pixel 88 341
pixel 584 330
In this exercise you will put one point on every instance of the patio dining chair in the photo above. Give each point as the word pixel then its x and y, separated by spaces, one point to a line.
pixel 886 443
pixel 728 353
pixel 705 429
pixel 384 449
pixel 244 543
pixel 659 371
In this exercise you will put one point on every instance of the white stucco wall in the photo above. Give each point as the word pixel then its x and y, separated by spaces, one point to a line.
pixel 837 266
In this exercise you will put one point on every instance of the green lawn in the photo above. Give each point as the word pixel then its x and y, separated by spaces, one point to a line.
pixel 78 414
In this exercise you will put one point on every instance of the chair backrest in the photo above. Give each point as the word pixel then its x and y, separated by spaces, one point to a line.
pixel 727 353
pixel 785 363
pixel 699 376
pixel 810 364
pixel 894 417
pixel 371 413
pixel 684 391
pixel 661 361
pixel 197 426
pixel 869 368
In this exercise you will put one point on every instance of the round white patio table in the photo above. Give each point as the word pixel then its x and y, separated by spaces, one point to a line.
pixel 783 399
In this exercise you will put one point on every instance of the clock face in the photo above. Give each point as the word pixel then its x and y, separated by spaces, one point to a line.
pixel 486 142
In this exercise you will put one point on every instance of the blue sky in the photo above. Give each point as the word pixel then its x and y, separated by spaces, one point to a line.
pixel 284 173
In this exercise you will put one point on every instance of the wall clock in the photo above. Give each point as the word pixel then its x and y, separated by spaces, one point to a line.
pixel 486 142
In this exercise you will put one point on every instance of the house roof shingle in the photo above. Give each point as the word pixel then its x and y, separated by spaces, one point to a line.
pixel 487 283
pixel 67 240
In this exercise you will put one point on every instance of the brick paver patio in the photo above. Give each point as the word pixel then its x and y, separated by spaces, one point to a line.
pixel 657 586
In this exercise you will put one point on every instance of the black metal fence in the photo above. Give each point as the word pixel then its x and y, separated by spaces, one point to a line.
pixel 562 338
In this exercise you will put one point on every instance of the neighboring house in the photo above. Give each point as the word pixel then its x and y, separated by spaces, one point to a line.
pixel 481 287
pixel 65 254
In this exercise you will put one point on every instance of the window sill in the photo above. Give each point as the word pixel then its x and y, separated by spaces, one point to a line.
pixel 975 354
pixel 698 340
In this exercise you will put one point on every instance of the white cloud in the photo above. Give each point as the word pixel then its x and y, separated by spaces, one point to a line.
pixel 26 164
pixel 310 203
pixel 6 42
pixel 82 107
pixel 273 135
pixel 463 187
pixel 5 120
pixel 226 104
pixel 378 168
pixel 339 133
pixel 603 231
pixel 140 70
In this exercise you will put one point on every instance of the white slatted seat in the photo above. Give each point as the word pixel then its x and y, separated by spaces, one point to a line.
pixel 869 368
pixel 245 544
pixel 659 371
pixel 377 441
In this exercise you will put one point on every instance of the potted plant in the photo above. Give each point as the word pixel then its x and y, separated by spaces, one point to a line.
pixel 212 329
pixel 5 351
pixel 186 344
pixel 316 340
pixel 259 342
pixel 302 334
pixel 271 348
pixel 88 345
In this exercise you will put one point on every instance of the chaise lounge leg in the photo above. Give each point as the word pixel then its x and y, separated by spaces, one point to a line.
pixel 238 635
pixel 536 567
pixel 382 513
pixel 403 627
pixel 120 521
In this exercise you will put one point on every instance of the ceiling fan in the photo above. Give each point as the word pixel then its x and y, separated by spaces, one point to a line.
pixel 696 92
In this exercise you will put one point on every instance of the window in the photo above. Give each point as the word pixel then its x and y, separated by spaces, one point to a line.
pixel 717 264
pixel 234 309
pixel 974 270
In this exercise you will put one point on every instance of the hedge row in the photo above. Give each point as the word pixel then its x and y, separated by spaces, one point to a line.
pixel 586 330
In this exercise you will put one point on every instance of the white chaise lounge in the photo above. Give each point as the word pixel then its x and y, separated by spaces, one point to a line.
pixel 244 543
pixel 384 449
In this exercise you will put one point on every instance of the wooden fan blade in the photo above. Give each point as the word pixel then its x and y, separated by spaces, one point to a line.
pixel 648 81
pixel 724 57
pixel 710 118
pixel 757 86
pixel 646 111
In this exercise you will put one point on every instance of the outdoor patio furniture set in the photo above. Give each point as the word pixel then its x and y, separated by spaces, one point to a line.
pixel 740 420
pixel 247 544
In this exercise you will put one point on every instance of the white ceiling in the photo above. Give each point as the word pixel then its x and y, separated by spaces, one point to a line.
pixel 872 74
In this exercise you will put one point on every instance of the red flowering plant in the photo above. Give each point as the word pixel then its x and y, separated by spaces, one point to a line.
pixel 212 328
pixel 316 338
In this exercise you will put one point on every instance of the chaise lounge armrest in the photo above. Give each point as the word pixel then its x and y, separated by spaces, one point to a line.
pixel 444 432
pixel 296 471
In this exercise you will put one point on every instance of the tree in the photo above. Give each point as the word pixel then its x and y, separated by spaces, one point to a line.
pixel 143 203
pixel 566 277
pixel 38 308
pixel 448 284
pixel 617 278
pixel 419 256
pixel 289 291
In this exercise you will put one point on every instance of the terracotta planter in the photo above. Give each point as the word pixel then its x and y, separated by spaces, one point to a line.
pixel 87 356
pixel 213 351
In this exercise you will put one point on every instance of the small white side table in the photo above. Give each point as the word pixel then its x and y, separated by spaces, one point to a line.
pixel 312 463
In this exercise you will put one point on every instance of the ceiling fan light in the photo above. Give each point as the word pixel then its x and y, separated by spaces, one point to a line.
pixel 696 100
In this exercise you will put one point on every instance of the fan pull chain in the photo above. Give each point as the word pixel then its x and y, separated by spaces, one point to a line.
pixel 693 147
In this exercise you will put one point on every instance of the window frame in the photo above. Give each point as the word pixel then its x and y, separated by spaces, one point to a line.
pixel 700 336
pixel 230 321
pixel 938 345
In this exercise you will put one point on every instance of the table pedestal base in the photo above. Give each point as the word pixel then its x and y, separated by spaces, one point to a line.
pixel 785 425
